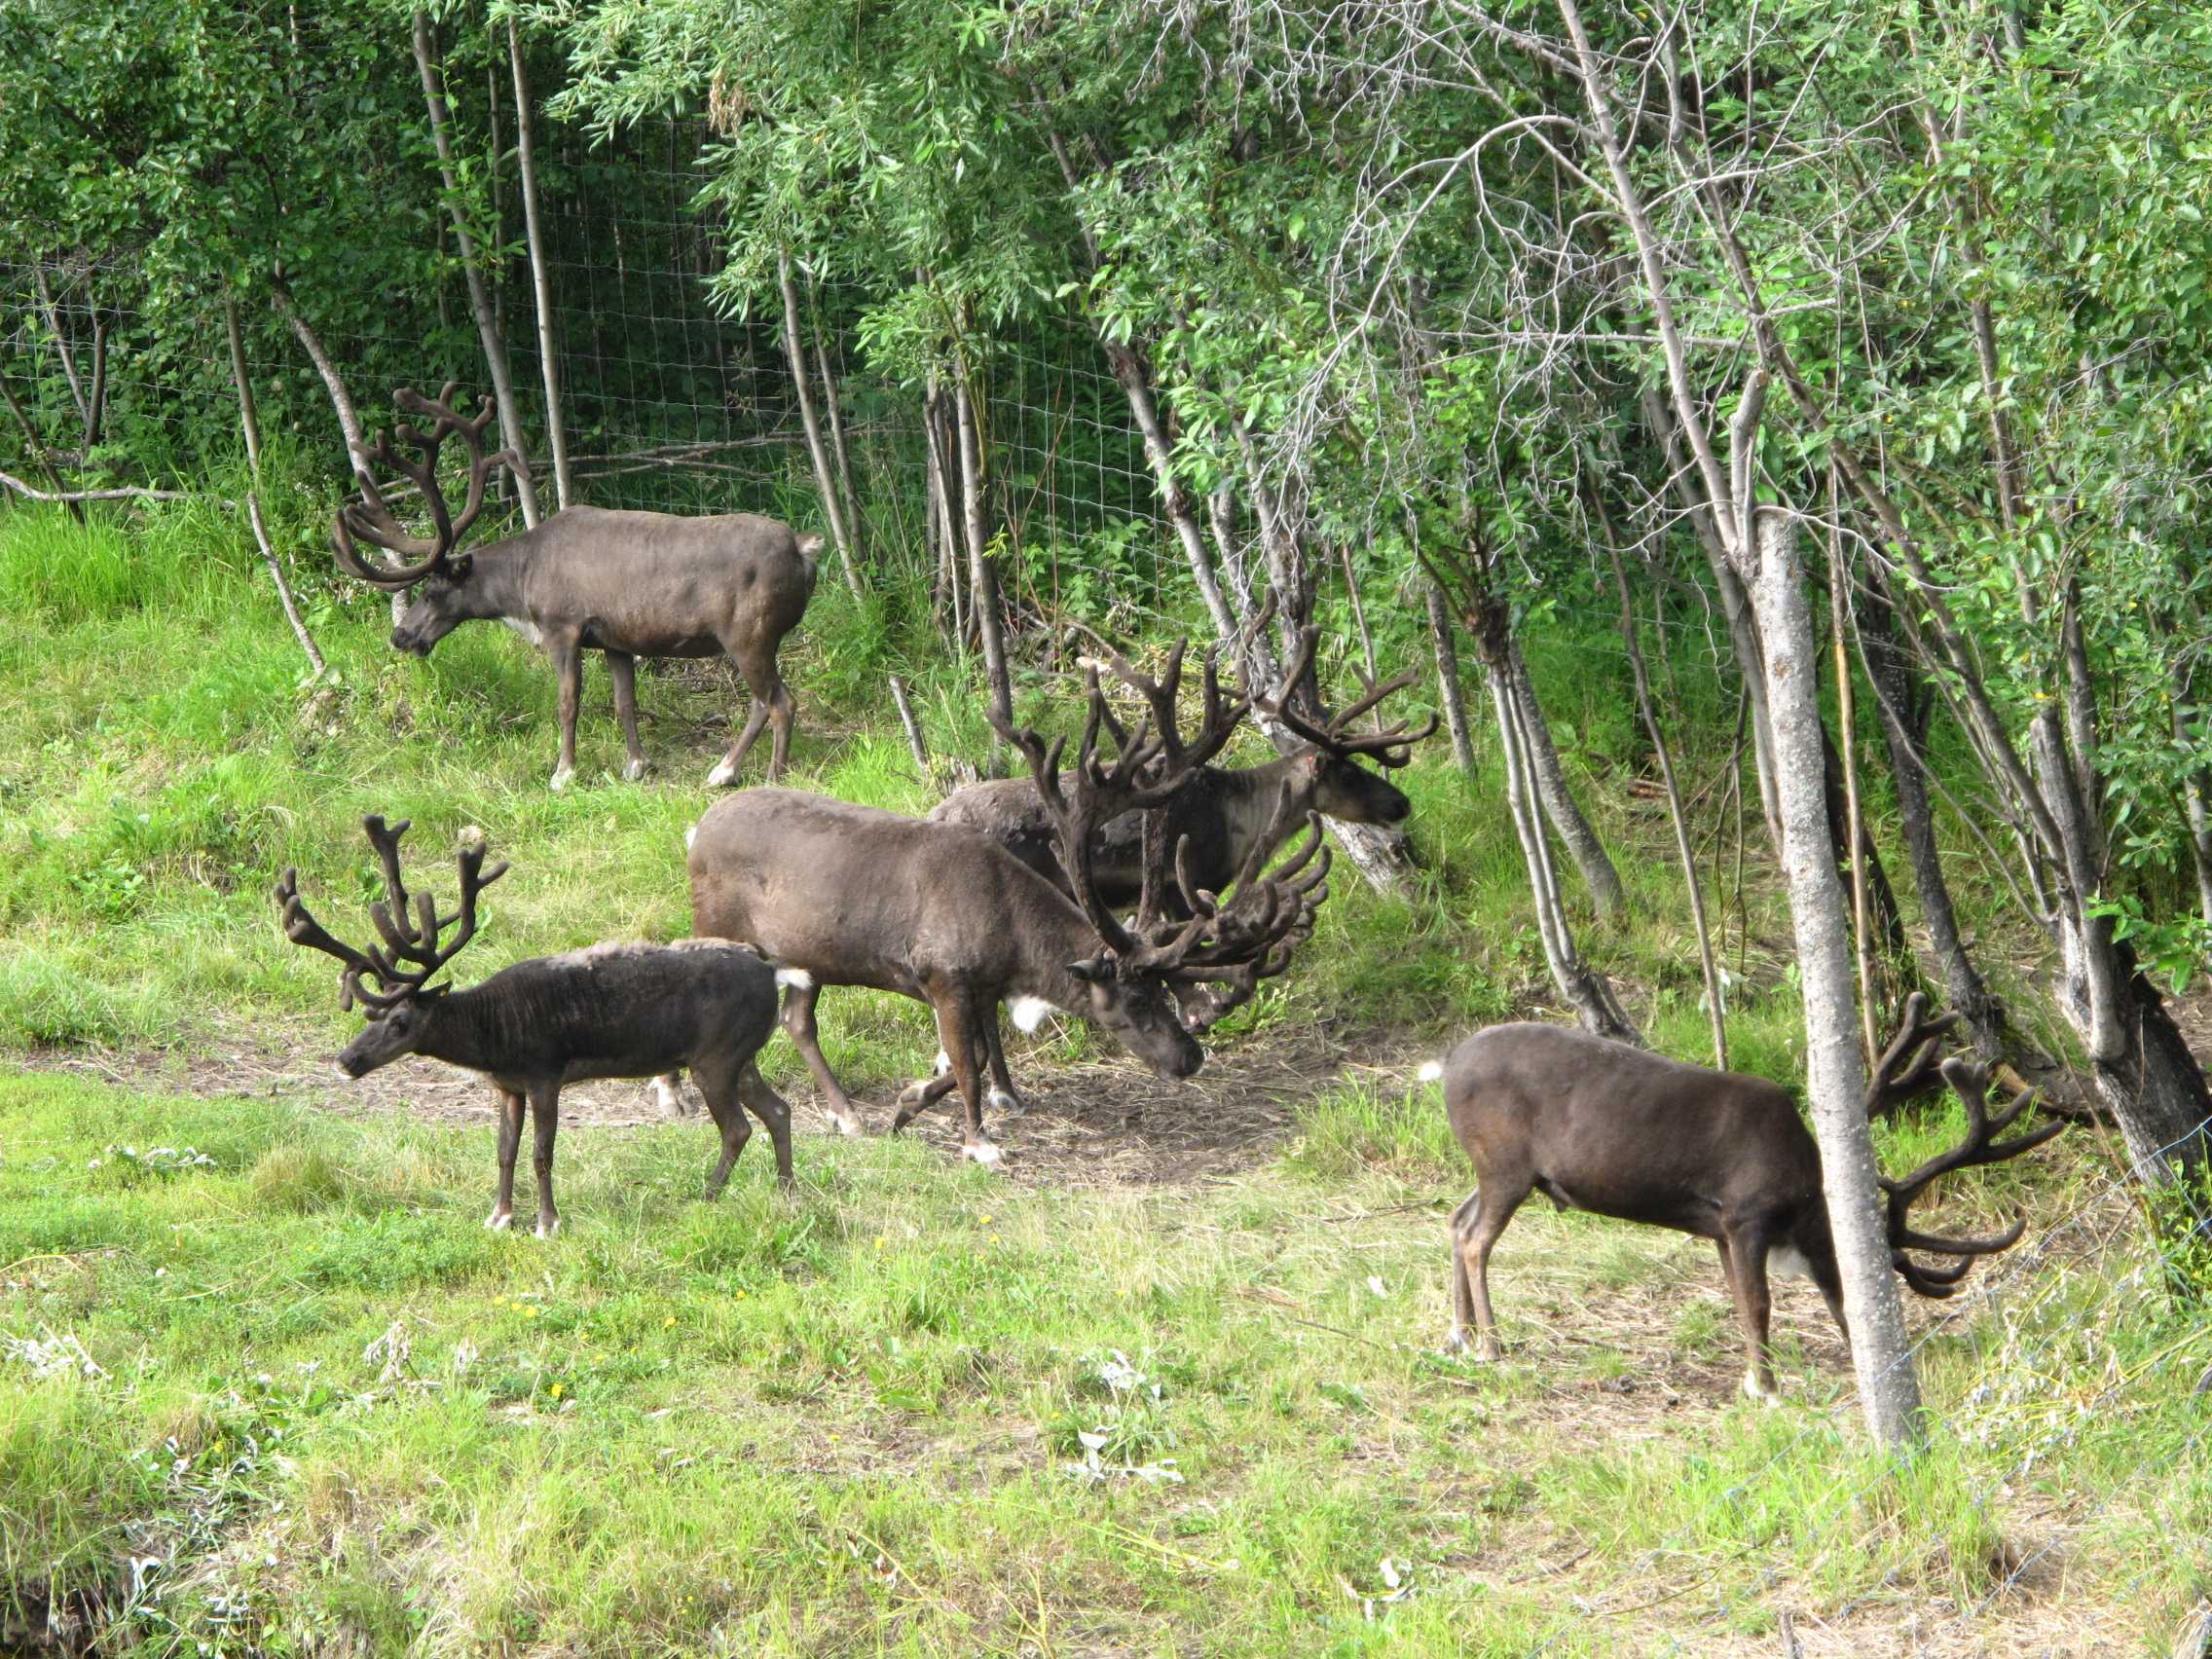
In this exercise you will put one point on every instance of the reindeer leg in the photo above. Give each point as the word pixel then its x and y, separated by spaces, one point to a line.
pixel 667 1090
pixel 622 669
pixel 1002 1099
pixel 1494 1202
pixel 1463 1291
pixel 1743 1252
pixel 772 1110
pixel 568 667
pixel 956 1021
pixel 918 1097
pixel 510 1139
pixel 747 659
pixel 721 1089
pixel 798 1021
pixel 544 1122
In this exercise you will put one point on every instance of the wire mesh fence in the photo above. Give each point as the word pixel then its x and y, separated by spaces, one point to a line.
pixel 671 399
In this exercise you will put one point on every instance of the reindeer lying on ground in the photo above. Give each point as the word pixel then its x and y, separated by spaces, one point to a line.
pixel 1597 1126
pixel 612 1011
pixel 630 584
pixel 843 895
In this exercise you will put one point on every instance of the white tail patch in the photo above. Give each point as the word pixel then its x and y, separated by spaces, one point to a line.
pixel 1790 1262
pixel 797 978
pixel 943 1062
pixel 689 835
pixel 1029 1012
pixel 1431 1071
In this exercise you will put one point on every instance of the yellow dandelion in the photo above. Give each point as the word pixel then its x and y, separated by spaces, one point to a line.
pixel 667 1322
pixel 556 1390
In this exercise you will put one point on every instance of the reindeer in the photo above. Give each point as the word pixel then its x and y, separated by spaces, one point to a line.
pixel 1597 1126
pixel 629 584
pixel 1224 813
pixel 610 1010
pixel 844 894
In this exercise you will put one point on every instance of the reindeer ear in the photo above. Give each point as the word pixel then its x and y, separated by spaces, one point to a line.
pixel 457 569
pixel 1093 970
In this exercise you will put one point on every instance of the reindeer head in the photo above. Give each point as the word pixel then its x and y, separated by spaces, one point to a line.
pixel 1133 980
pixel 401 1008
pixel 430 560
pixel 1331 780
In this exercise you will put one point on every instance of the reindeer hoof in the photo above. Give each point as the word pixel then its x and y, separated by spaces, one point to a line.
pixel 499 1220
pixel 635 772
pixel 671 1098
pixel 847 1124
pixel 987 1152
pixel 1763 1393
pixel 562 777
pixel 547 1226
pixel 1006 1105
pixel 910 1095
pixel 724 773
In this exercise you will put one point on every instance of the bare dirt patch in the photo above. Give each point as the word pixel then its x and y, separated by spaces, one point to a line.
pixel 1102 1123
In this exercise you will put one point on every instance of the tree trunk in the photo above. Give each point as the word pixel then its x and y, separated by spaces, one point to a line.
pixel 2194 789
pixel 1560 807
pixel 479 292
pixel 1715 1003
pixel 816 451
pixel 249 417
pixel 341 404
pixel 36 446
pixel 833 407
pixel 982 580
pixel 1906 705
pixel 541 274
pixel 1836 1078
pixel 1449 688
pixel 1579 986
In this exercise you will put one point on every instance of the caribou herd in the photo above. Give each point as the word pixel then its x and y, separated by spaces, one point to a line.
pixel 1135 888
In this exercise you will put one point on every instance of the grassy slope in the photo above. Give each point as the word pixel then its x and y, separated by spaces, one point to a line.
pixel 843 1421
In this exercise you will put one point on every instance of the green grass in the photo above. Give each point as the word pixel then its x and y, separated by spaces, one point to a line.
pixel 860 1418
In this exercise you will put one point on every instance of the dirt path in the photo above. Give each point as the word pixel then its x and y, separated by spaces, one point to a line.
pixel 1108 1122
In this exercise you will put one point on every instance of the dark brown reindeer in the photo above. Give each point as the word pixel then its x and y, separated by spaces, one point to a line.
pixel 1224 813
pixel 610 1010
pixel 844 894
pixel 630 584
pixel 1597 1126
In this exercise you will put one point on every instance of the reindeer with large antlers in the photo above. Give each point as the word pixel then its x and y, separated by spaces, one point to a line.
pixel 629 584
pixel 1223 815
pixel 843 895
pixel 610 1010
pixel 1597 1126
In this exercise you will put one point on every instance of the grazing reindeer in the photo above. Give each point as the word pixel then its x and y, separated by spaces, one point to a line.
pixel 630 584
pixel 612 1011
pixel 843 895
pixel 1597 1126
pixel 1224 813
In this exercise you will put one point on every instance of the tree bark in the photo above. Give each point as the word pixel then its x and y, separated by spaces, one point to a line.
pixel 249 417
pixel 833 407
pixel 541 274
pixel 1906 706
pixel 1559 803
pixel 982 580
pixel 817 451
pixel 1836 1081
pixel 479 291
pixel 341 402
pixel 1715 1001
pixel 1450 689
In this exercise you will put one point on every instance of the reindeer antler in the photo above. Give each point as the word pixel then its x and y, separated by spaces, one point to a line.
pixel 1333 733
pixel 414 942
pixel 1970 1081
pixel 1907 1067
pixel 372 518
pixel 1248 938
pixel 1150 765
